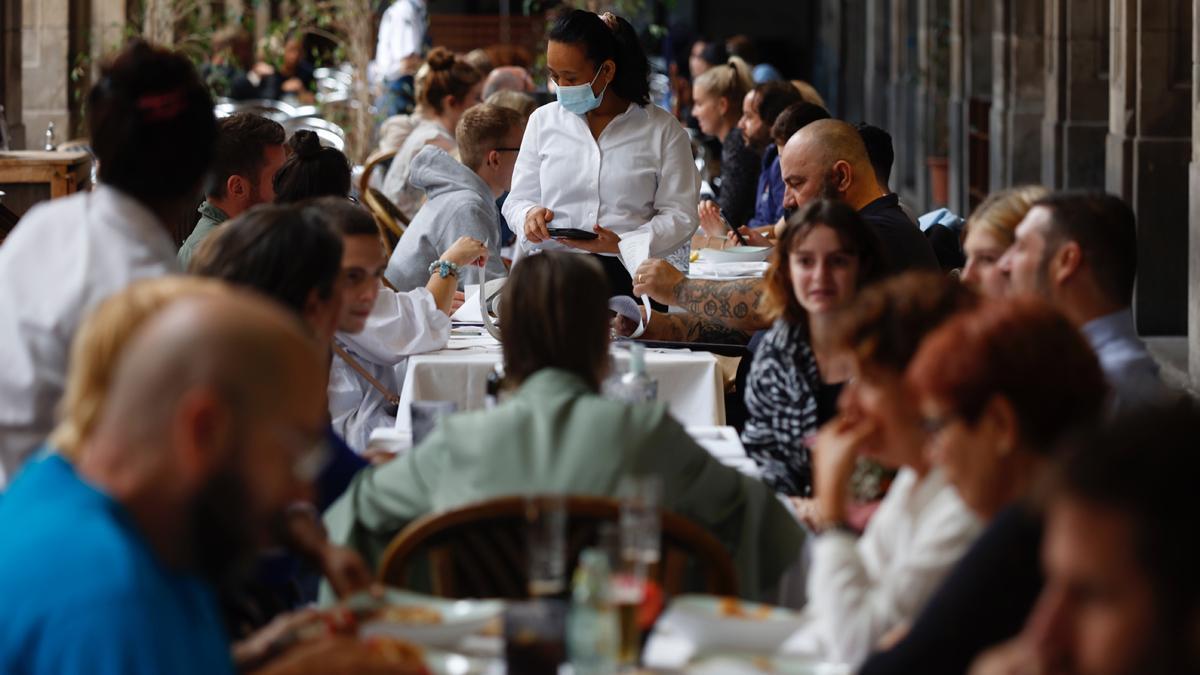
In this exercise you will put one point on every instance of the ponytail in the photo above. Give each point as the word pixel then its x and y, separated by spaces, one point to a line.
pixel 730 81
pixel 618 43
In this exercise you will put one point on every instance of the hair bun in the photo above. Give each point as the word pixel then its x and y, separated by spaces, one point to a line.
pixel 305 144
pixel 441 58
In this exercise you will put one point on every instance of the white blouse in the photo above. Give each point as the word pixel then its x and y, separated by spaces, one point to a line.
pixel 638 176
pixel 859 589
pixel 400 325
pixel 64 257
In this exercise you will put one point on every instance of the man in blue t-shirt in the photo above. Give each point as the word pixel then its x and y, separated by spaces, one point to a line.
pixel 214 411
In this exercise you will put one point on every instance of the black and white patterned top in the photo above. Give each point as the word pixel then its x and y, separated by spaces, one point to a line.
pixel 740 166
pixel 782 392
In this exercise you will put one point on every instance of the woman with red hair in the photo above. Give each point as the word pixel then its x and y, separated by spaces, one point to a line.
pixel 998 388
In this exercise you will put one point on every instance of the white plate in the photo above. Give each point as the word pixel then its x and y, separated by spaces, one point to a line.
pixel 736 254
pixel 460 618
pixel 745 664
pixel 699 619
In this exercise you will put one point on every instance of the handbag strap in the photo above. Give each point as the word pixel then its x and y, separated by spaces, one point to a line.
pixel 388 395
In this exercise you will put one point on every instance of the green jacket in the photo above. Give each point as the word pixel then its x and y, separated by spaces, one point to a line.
pixel 210 218
pixel 556 435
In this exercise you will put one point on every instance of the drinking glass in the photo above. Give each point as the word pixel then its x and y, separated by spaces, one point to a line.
pixel 640 542
pixel 640 520
pixel 546 531
pixel 535 636
pixel 424 416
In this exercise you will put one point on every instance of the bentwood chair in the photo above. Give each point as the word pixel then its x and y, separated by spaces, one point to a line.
pixel 389 217
pixel 479 550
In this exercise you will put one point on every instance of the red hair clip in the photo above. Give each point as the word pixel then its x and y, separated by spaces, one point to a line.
pixel 159 107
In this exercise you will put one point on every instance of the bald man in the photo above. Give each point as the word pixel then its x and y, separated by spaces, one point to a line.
pixel 829 159
pixel 213 423
pixel 825 159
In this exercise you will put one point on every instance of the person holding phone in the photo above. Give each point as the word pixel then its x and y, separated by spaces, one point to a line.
pixel 602 159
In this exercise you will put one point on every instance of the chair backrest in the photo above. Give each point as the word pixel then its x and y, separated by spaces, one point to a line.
pixel 479 550
pixel 389 217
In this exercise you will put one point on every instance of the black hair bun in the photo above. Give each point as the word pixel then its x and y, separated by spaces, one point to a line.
pixel 305 144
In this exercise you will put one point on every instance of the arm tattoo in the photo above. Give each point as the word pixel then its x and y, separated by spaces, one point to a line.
pixel 732 304
pixel 693 328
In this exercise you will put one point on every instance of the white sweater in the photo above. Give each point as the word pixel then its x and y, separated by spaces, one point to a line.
pixel 859 589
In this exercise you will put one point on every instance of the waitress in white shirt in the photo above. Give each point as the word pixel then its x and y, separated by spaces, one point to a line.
pixel 602 159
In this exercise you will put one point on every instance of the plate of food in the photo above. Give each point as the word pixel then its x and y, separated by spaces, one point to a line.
pixel 735 254
pixel 747 664
pixel 422 619
pixel 714 622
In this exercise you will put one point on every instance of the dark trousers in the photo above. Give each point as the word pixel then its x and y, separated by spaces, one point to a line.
pixel 619 281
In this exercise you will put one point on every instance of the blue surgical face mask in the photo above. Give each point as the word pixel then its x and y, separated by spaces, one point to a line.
pixel 579 98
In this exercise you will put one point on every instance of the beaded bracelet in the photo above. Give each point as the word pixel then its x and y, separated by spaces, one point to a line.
pixel 444 268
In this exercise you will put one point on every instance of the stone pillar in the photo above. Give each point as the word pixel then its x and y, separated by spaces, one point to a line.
pixel 901 122
pixel 10 72
pixel 45 36
pixel 1018 84
pixel 1194 233
pixel 827 63
pixel 1149 146
pixel 853 60
pixel 958 108
pixel 1075 123
pixel 933 71
pixel 876 70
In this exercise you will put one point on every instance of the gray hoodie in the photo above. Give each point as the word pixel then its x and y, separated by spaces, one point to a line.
pixel 459 204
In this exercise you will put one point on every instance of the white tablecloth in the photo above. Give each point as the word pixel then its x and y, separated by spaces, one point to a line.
pixel 689 382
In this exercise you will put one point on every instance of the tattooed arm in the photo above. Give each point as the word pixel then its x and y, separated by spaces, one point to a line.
pixel 733 304
pixel 692 328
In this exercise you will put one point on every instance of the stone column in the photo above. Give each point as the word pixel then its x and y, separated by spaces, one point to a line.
pixel 958 108
pixel 876 72
pixel 45 35
pixel 1075 123
pixel 1194 234
pixel 1149 147
pixel 853 60
pixel 10 72
pixel 1017 92
pixel 901 124
pixel 827 63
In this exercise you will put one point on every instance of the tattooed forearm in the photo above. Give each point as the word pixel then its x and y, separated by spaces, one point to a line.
pixel 692 328
pixel 734 304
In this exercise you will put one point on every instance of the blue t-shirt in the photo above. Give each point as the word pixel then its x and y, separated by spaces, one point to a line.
pixel 81 592
pixel 768 206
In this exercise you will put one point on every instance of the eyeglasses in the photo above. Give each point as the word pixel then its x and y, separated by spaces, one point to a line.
pixel 933 425
pixel 507 149
pixel 312 452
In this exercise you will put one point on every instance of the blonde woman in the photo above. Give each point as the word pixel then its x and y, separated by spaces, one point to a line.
pixel 718 96
pixel 990 231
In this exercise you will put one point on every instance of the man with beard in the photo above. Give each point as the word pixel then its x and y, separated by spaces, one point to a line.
pixel 214 417
pixel 1078 251
pixel 825 159
pixel 248 152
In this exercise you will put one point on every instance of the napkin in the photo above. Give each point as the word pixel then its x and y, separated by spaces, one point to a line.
pixel 634 249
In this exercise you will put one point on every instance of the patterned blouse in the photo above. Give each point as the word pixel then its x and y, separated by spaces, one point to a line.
pixel 782 403
pixel 740 166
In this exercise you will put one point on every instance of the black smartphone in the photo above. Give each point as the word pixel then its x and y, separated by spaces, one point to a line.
pixel 570 233
pixel 732 228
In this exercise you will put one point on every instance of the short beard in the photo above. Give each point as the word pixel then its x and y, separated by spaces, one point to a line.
pixel 222 535
pixel 828 189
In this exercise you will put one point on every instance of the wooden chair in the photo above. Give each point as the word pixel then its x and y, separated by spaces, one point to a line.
pixel 391 220
pixel 479 550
